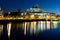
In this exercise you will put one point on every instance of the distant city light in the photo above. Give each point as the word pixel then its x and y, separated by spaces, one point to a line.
pixel 38 20
pixel 0 8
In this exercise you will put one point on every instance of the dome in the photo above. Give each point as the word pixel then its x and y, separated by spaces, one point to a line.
pixel 35 9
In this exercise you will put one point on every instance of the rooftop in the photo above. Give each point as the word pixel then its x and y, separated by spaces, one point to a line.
pixel 35 9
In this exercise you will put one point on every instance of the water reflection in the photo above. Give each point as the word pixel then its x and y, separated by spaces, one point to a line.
pixel 48 24
pixel 55 24
pixel 33 27
pixel 9 29
pixel 1 29
pixel 37 26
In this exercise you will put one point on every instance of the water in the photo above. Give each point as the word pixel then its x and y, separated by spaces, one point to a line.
pixel 30 30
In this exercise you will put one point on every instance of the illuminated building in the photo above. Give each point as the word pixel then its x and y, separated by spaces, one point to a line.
pixel 37 11
pixel 1 13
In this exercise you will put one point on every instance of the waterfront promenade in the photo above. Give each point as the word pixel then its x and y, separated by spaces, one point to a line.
pixel 30 19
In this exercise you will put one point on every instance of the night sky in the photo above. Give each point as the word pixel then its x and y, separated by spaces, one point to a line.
pixel 47 5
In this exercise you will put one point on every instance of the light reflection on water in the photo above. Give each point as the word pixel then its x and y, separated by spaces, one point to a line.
pixel 1 29
pixel 31 27
pixel 36 27
pixel 8 28
pixel 55 24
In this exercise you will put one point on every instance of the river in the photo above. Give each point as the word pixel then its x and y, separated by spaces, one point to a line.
pixel 30 30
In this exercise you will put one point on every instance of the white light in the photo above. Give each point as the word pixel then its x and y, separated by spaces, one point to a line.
pixel 0 8
pixel 42 25
pixel 25 28
pixel 48 25
pixel 9 28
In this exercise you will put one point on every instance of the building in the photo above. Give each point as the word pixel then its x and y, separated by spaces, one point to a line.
pixel 1 13
pixel 37 12
pixel 13 14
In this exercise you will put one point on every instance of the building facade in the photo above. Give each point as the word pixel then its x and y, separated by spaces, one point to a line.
pixel 1 13
pixel 37 12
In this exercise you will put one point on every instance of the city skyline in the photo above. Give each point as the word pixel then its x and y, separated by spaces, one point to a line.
pixel 47 5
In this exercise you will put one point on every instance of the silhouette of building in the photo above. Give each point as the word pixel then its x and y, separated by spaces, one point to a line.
pixel 1 13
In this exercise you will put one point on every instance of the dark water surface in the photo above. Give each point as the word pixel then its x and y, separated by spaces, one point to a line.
pixel 36 30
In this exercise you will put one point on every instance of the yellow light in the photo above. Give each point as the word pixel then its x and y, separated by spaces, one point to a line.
pixel 9 28
pixel 39 17
pixel 34 27
pixel 25 28
pixel 53 17
pixel 32 16
pixel 42 26
pixel 48 17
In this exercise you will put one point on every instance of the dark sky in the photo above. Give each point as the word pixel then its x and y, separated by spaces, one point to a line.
pixel 47 5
